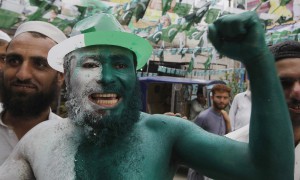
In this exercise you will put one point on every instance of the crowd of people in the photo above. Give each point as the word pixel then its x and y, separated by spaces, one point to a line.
pixel 107 137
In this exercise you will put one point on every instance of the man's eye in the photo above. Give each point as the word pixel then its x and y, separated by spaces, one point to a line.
pixel 90 65
pixel 120 66
pixel 41 64
pixel 12 61
pixel 287 83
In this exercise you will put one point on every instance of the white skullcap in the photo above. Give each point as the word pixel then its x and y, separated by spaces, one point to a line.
pixel 42 27
pixel 4 36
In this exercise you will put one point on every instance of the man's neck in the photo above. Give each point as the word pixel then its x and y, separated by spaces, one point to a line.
pixel 217 110
pixel 21 125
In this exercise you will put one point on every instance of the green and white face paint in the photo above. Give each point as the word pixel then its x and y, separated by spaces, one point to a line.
pixel 101 84
pixel 100 74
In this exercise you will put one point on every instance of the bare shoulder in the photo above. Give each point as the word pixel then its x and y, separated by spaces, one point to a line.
pixel 48 133
pixel 163 122
pixel 35 151
pixel 55 126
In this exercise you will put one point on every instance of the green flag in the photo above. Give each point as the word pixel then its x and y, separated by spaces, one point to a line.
pixel 43 8
pixel 211 15
pixel 166 6
pixel 155 37
pixel 207 62
pixel 140 9
pixel 191 65
pixel 8 18
pixel 182 9
pixel 169 33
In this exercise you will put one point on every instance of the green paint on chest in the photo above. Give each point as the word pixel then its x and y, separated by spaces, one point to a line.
pixel 116 161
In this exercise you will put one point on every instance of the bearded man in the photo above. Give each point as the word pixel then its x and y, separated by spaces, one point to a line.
pixel 106 137
pixel 28 84
pixel 214 119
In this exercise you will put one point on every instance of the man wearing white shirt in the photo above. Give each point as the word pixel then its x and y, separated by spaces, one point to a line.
pixel 240 109
pixel 28 84
pixel 287 57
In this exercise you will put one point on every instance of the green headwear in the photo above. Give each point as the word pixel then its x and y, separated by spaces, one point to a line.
pixel 100 29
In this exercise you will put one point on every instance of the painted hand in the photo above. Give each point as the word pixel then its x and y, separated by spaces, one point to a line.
pixel 240 37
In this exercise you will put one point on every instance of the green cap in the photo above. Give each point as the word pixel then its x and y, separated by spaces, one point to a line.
pixel 100 29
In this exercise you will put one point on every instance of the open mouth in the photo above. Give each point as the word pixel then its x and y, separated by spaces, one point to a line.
pixel 295 108
pixel 107 100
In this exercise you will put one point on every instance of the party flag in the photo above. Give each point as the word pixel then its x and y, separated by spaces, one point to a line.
pixel 166 6
pixel 140 9
pixel 169 33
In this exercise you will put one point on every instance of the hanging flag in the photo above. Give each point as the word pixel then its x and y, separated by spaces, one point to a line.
pixel 169 33
pixel 187 22
pixel 211 15
pixel 207 62
pixel 194 33
pixel 191 65
pixel 160 54
pixel 203 40
pixel 166 6
pixel 35 2
pixel 43 8
pixel 182 9
pixel 125 13
pixel 140 9
pixel 8 18
pixel 201 12
pixel 155 37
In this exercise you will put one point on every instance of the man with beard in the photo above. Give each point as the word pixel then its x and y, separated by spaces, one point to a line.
pixel 106 137
pixel 214 119
pixel 287 57
pixel 29 84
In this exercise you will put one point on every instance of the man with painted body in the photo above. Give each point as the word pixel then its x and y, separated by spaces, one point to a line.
pixel 106 137
pixel 287 57
pixel 28 84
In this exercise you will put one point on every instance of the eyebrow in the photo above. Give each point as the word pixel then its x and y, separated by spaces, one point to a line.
pixel 20 56
pixel 119 56
pixel 100 56
pixel 13 55
pixel 85 57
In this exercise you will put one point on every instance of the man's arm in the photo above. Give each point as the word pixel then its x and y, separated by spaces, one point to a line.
pixel 16 167
pixel 270 152
pixel 241 37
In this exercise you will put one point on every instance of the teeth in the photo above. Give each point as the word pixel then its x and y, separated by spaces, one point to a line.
pixel 109 102
pixel 104 95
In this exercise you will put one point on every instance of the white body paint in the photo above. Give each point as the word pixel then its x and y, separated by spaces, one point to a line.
pixel 49 147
